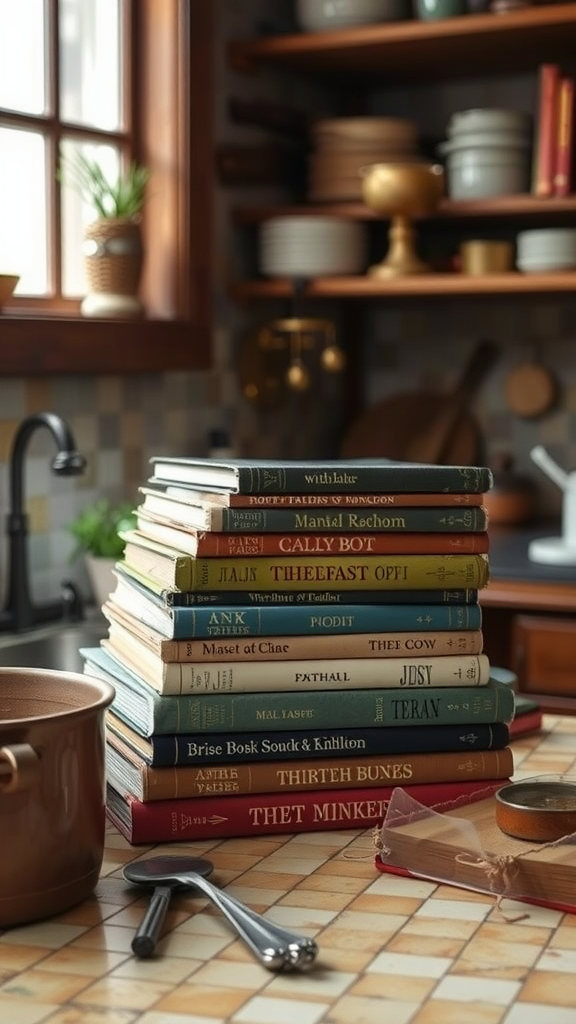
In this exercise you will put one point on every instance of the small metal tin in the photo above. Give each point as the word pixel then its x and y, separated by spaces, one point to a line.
pixel 539 809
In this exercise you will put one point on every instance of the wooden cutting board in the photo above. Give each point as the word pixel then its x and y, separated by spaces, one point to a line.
pixel 426 426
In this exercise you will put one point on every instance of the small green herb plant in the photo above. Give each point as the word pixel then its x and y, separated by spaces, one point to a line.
pixel 96 529
pixel 119 199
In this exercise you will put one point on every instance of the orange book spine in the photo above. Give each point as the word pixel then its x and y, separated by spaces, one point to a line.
pixel 545 140
pixel 564 138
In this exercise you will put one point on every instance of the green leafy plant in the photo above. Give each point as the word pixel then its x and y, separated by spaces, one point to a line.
pixel 96 529
pixel 122 198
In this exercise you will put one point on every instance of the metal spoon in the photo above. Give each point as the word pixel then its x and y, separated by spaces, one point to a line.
pixel 275 947
pixel 146 937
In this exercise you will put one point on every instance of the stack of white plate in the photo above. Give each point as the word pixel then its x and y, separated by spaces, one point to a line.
pixel 311 246
pixel 546 249
pixel 323 15
pixel 342 145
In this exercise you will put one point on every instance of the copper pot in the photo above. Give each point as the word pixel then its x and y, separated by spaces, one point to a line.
pixel 52 790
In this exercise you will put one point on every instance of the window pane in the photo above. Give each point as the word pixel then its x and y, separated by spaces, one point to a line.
pixel 22 65
pixel 77 213
pixel 23 248
pixel 90 63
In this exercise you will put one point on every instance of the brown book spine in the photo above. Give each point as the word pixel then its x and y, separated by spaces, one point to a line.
pixel 545 136
pixel 286 648
pixel 306 774
pixel 565 138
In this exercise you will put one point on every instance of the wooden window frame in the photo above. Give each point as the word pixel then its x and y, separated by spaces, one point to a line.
pixel 171 101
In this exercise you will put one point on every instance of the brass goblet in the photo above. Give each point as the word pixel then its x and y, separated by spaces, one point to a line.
pixel 401 191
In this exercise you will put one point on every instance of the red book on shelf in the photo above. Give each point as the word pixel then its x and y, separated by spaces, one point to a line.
pixel 191 818
pixel 564 138
pixel 544 162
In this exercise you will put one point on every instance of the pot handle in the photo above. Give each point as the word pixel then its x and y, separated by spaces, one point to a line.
pixel 19 767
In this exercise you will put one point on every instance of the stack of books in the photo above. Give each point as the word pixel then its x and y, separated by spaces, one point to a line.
pixel 290 641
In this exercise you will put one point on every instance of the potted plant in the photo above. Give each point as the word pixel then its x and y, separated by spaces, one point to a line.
pixel 97 533
pixel 113 241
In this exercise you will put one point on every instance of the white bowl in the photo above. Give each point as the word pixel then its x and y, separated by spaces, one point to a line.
pixel 543 264
pixel 547 243
pixel 486 119
pixel 324 15
pixel 473 174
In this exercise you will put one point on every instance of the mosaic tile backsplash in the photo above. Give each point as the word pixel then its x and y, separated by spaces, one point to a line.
pixel 120 422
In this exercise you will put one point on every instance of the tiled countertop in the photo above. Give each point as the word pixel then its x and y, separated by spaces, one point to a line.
pixel 391 950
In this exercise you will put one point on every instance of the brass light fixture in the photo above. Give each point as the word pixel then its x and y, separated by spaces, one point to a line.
pixel 281 356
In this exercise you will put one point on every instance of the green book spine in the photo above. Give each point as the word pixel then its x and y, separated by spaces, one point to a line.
pixel 150 713
pixel 268 476
pixel 340 520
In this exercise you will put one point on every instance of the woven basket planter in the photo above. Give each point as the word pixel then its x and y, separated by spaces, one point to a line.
pixel 113 256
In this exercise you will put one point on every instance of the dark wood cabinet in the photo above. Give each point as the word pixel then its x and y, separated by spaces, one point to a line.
pixel 530 627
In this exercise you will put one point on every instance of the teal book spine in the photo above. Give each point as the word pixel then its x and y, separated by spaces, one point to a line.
pixel 150 713
pixel 188 623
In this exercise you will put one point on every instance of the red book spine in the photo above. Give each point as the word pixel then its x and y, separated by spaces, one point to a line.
pixel 223 545
pixel 565 138
pixel 545 136
pixel 270 813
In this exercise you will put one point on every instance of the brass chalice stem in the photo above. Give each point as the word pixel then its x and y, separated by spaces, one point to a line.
pixel 401 257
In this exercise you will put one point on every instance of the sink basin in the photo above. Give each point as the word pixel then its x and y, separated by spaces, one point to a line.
pixel 52 646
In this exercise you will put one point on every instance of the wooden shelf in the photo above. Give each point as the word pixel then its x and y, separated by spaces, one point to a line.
pixel 521 206
pixel 471 45
pixel 429 285
pixel 31 345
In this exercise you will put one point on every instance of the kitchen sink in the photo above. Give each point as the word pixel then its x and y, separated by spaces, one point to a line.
pixel 56 646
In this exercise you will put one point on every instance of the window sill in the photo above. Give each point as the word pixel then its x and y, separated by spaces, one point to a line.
pixel 44 345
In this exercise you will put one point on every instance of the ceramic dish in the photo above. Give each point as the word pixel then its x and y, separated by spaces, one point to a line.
pixel 324 15
pixel 488 120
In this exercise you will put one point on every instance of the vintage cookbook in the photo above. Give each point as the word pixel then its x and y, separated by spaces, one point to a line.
pixel 186 622
pixel 465 847
pixel 211 516
pixel 127 772
pixel 226 499
pixel 545 132
pixel 172 597
pixel 150 712
pixel 242 676
pixel 387 644
pixel 227 748
pixel 262 476
pixel 191 818
pixel 302 572
pixel 302 541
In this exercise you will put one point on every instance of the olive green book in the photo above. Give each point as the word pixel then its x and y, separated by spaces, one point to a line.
pixel 172 568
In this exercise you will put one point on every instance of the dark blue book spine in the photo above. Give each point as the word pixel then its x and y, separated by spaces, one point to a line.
pixel 169 751
pixel 184 598
pixel 189 623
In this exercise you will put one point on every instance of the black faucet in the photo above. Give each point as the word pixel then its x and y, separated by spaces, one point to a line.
pixel 20 613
